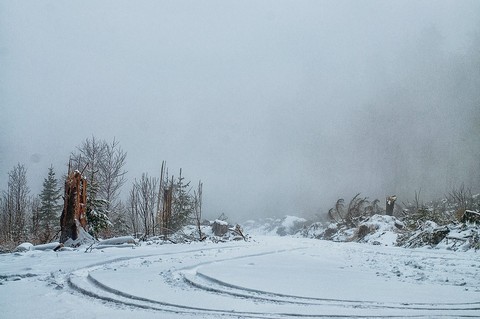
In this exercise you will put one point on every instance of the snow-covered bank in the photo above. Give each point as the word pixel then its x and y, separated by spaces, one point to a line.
pixel 268 277
pixel 375 230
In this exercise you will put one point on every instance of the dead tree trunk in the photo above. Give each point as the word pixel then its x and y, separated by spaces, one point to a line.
pixel 73 214
pixel 167 210
pixel 390 204
pixel 198 209
pixel 160 198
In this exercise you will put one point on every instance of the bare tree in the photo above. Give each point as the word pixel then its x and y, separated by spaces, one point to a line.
pixel 111 173
pixel 461 197
pixel 3 218
pixel 104 169
pixel 88 157
pixel 144 193
pixel 133 211
pixel 165 203
pixel 15 205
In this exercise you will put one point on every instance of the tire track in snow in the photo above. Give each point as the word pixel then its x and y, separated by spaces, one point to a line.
pixel 83 282
pixel 238 291
pixel 209 283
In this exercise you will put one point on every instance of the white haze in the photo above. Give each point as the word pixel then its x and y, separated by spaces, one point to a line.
pixel 278 106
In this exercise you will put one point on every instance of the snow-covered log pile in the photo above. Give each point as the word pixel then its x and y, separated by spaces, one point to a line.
pixel 462 236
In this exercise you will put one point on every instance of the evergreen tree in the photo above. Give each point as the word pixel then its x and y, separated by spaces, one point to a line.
pixel 119 220
pixel 96 208
pixel 50 208
pixel 183 205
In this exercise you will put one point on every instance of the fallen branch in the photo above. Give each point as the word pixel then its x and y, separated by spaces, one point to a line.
pixel 238 230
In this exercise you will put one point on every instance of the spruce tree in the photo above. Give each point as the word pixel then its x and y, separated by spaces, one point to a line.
pixel 183 204
pixel 96 208
pixel 50 209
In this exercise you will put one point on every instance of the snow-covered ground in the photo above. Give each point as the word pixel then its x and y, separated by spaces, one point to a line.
pixel 267 277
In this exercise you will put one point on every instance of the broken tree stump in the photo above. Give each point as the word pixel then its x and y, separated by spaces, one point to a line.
pixel 390 205
pixel 219 227
pixel 73 215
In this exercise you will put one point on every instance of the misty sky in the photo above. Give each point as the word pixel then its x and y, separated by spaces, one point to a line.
pixel 280 107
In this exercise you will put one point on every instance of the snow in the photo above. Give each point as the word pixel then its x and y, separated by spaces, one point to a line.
pixel 290 222
pixel 24 247
pixel 288 225
pixel 384 230
pixel 118 241
pixel 267 277
pixel 83 237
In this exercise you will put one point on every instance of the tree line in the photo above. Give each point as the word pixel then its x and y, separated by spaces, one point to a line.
pixel 155 206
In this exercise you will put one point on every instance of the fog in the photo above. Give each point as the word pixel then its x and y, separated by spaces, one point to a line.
pixel 279 107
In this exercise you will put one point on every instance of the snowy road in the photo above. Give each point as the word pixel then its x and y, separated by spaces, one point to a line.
pixel 272 277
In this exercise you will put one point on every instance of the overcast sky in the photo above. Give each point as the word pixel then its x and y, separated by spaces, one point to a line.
pixel 279 107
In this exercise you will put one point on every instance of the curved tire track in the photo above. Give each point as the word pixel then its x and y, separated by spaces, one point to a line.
pixel 84 283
